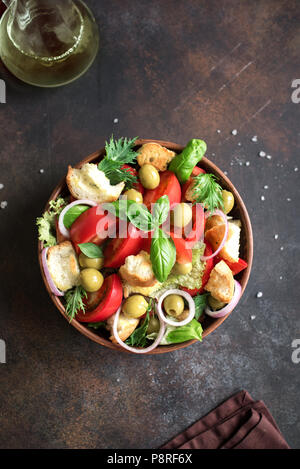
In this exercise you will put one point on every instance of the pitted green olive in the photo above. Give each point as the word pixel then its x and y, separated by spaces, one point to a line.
pixel 154 325
pixel 228 201
pixel 135 306
pixel 149 176
pixel 91 279
pixel 215 304
pixel 181 215
pixel 134 195
pixel 174 305
pixel 182 269
pixel 96 263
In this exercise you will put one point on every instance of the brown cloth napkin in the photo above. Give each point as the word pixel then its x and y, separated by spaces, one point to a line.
pixel 238 423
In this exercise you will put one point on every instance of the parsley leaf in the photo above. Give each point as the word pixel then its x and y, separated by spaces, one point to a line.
pixel 118 153
pixel 74 301
pixel 208 192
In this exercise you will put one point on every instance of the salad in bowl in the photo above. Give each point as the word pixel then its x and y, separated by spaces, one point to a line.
pixel 145 246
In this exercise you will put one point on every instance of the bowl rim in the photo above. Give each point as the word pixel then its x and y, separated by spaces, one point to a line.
pixel 245 274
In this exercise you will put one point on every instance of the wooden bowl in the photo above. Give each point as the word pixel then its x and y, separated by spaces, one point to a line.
pixel 239 211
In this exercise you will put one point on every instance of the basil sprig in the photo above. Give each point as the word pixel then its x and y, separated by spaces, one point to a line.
pixel 91 250
pixel 73 213
pixel 163 251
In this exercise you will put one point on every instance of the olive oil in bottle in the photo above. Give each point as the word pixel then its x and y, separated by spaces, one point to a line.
pixel 47 43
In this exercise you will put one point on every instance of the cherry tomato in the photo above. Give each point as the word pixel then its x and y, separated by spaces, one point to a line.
pixel 137 186
pixel 118 249
pixel 169 185
pixel 92 226
pixel 105 302
pixel 205 277
pixel 190 180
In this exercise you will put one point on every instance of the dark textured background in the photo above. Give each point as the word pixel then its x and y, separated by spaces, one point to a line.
pixel 169 70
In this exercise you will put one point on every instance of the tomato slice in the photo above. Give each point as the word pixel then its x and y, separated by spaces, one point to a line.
pixel 205 277
pixel 104 302
pixel 137 186
pixel 187 184
pixel 94 225
pixel 184 254
pixel 169 185
pixel 118 249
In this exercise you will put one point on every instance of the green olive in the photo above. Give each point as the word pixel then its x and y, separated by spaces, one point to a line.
pixel 174 305
pixel 91 279
pixel 228 201
pixel 215 304
pixel 182 269
pixel 134 195
pixel 181 215
pixel 135 306
pixel 149 176
pixel 96 263
pixel 154 325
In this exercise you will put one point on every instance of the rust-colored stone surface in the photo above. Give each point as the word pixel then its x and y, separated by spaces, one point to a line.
pixel 167 70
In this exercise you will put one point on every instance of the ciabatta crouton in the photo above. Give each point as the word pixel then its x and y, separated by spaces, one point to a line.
pixel 63 266
pixel 137 270
pixel 230 250
pixel 125 327
pixel 91 183
pixel 145 291
pixel 156 155
pixel 221 283
pixel 212 221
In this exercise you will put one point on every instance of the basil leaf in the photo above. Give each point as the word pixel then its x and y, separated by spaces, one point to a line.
pixel 73 213
pixel 200 304
pixel 192 330
pixel 138 337
pixel 161 210
pixel 91 250
pixel 183 164
pixel 119 208
pixel 162 254
pixel 140 217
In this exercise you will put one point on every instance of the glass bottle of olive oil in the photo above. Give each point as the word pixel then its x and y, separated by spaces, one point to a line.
pixel 48 43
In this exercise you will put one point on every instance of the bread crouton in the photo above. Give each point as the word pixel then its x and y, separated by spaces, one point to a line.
pixel 145 291
pixel 230 250
pixel 137 270
pixel 91 183
pixel 156 155
pixel 221 283
pixel 63 266
pixel 212 221
pixel 125 327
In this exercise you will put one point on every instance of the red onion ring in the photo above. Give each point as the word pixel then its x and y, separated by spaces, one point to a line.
pixel 235 299
pixel 134 349
pixel 217 212
pixel 188 298
pixel 51 284
pixel 64 231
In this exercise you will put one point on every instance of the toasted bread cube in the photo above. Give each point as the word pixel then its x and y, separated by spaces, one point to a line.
pixel 221 283
pixel 125 327
pixel 156 155
pixel 230 250
pixel 63 266
pixel 137 270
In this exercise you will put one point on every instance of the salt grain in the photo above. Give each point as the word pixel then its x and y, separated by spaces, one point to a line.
pixel 252 317
pixel 262 154
pixel 247 163
pixel 239 144
pixel 269 157
pixel 259 294
pixel 296 169
pixel 254 138
pixel 280 278
pixel 42 171
pixel 116 120
pixel 262 198
pixel 276 236
pixel 266 187
pixel 1 186
pixel 219 131
pixel 234 132
pixel 288 199
pixel 3 204
pixel 281 248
